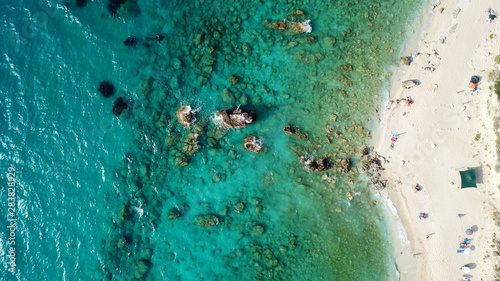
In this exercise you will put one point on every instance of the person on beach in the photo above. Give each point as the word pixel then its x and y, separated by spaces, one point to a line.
pixel 409 101
pixel 423 216
pixel 492 15
pixel 418 187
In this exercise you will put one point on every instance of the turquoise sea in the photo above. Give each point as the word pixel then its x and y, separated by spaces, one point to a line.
pixel 96 196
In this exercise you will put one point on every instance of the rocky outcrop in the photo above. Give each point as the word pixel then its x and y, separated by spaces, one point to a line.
pixel 185 116
pixel 253 144
pixel 372 166
pixel 319 165
pixel 106 89
pixel 119 106
pixel 237 118
pixel 295 23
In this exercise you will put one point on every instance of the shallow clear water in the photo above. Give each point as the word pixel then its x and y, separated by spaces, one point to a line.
pixel 103 197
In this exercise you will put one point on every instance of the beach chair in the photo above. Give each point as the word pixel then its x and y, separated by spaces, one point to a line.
pixel 460 251
pixel 394 137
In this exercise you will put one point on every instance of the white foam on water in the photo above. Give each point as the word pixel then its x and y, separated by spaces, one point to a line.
pixel 403 252
pixel 217 119
pixel 307 25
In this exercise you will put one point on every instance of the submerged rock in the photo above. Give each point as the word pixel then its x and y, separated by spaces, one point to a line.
pixel 123 8
pixel 130 41
pixel 252 144
pixel 228 96
pixel 208 220
pixel 141 267
pixel 106 89
pixel 295 132
pixel 258 230
pixel 119 106
pixel 174 214
pixel 237 118
pixel 233 79
pixel 344 166
pixel 346 67
pixel 114 5
pixel 185 116
pixel 81 3
pixel 239 207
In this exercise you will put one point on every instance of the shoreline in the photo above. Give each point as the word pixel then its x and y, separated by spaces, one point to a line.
pixel 437 139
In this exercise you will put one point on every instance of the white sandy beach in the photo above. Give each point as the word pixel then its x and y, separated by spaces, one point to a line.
pixel 437 140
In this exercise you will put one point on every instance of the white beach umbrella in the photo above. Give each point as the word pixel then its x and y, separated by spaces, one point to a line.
pixel 467 251
pixel 466 268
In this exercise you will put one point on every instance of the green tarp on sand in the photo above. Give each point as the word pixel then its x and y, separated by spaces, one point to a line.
pixel 468 178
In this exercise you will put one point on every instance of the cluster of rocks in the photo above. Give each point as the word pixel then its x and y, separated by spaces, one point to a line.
pixel 344 165
pixel 296 132
pixel 295 23
pixel 318 165
pixel 346 67
pixel 138 251
pixel 107 90
pixel 372 166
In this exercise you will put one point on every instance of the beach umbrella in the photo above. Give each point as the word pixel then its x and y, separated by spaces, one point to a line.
pixel 468 231
pixel 468 178
pixel 467 251
pixel 466 268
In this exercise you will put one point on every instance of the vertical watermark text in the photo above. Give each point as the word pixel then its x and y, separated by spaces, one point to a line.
pixel 11 218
